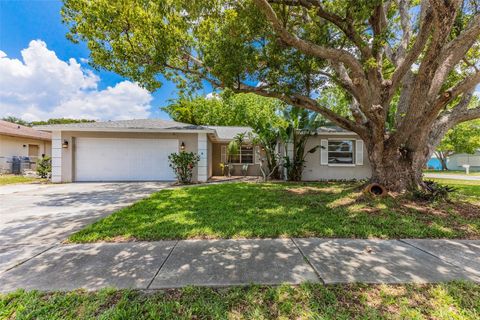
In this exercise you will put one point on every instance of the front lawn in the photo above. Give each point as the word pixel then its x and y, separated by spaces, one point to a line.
pixel 457 300
pixel 261 210
pixel 13 179
pixel 447 172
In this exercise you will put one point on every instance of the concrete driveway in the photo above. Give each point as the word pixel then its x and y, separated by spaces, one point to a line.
pixel 34 217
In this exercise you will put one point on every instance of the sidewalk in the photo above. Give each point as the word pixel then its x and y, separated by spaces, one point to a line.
pixel 169 264
pixel 452 176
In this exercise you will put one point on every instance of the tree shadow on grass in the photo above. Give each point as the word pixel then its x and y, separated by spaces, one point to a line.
pixel 250 210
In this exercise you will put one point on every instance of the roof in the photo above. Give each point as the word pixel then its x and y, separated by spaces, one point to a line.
pixel 333 129
pixel 16 130
pixel 229 132
pixel 220 133
pixel 136 124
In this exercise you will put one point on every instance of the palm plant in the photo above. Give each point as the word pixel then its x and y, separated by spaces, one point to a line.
pixel 302 124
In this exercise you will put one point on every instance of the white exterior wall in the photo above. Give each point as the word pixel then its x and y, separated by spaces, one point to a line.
pixel 202 167
pixel 57 156
pixel 456 161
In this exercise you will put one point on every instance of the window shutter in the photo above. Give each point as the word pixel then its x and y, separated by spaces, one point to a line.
pixel 223 157
pixel 359 152
pixel 324 152
pixel 257 155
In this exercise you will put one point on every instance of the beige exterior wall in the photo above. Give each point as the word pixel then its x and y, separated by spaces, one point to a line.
pixel 315 171
pixel 14 146
pixel 17 146
pixel 253 169
pixel 68 154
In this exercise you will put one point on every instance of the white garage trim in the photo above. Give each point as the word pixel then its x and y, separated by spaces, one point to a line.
pixel 123 159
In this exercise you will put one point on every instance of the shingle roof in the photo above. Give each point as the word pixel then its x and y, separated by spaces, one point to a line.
pixel 229 132
pixel 125 124
pixel 16 130
pixel 332 129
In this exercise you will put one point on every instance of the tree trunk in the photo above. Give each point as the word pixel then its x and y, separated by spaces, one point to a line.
pixel 443 162
pixel 397 171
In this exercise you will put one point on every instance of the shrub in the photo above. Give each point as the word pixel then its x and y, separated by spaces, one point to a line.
pixel 44 167
pixel 182 164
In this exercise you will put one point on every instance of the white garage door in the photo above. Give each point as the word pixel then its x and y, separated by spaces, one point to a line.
pixel 100 159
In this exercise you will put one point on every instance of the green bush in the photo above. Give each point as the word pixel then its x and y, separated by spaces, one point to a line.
pixel 44 167
pixel 182 164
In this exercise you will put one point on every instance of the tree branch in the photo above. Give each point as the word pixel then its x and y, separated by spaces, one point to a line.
pixel 307 47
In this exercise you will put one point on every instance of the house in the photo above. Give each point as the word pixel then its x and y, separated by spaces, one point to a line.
pixel 21 141
pixel 456 161
pixel 137 150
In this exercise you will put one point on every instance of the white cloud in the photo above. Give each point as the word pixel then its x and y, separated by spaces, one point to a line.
pixel 43 86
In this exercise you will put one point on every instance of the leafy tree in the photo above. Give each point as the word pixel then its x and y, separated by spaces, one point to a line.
pixel 59 121
pixel 42 122
pixel 16 120
pixel 408 67
pixel 226 109
pixel 463 138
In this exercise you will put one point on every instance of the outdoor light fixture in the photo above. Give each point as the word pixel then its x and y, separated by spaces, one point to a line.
pixel 65 144
pixel 182 146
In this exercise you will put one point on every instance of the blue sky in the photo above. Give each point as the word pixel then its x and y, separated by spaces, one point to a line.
pixel 24 21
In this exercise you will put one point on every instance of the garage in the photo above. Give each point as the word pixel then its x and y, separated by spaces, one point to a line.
pixel 123 159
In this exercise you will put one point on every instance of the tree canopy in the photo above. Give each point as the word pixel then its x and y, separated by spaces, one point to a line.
pixel 227 109
pixel 406 68
pixel 44 122
pixel 463 138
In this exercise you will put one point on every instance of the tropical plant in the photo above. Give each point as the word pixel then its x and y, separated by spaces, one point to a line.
pixel 408 68
pixel 183 164
pixel 44 167
pixel 302 125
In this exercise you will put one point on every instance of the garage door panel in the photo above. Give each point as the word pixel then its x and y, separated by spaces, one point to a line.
pixel 101 159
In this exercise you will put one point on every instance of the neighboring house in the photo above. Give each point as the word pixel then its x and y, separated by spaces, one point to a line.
pixel 21 141
pixel 456 161
pixel 137 150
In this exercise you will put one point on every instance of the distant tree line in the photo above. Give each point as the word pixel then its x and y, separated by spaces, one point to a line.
pixel 44 122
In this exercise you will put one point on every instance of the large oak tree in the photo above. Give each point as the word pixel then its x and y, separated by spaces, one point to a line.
pixel 407 68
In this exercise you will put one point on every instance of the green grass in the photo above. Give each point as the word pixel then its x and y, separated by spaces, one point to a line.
pixel 462 172
pixel 261 210
pixel 456 300
pixel 13 179
pixel 466 189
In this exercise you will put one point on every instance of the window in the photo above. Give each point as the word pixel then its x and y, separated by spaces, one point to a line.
pixel 245 155
pixel 340 151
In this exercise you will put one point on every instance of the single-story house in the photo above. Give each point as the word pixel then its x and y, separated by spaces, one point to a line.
pixel 21 141
pixel 138 150
pixel 456 161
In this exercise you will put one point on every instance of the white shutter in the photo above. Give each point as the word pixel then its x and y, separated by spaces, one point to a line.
pixel 223 157
pixel 324 152
pixel 359 152
pixel 257 155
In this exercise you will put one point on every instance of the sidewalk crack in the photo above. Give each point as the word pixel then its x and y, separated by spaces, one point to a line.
pixel 163 263
pixel 26 260
pixel 431 254
pixel 308 261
